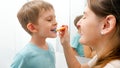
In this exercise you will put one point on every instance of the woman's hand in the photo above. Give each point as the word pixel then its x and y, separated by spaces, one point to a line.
pixel 64 36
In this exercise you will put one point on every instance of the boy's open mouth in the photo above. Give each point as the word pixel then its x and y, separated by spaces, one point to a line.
pixel 54 30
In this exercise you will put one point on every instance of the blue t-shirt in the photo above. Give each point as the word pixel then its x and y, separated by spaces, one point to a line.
pixel 33 57
pixel 77 46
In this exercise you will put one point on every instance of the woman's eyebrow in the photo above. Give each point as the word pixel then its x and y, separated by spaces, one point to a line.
pixel 84 13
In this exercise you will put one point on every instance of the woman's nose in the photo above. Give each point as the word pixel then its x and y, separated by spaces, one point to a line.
pixel 78 25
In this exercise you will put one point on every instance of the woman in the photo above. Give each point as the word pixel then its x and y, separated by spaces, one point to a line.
pixel 99 28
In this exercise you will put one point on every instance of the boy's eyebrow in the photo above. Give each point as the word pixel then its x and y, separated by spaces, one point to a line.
pixel 51 16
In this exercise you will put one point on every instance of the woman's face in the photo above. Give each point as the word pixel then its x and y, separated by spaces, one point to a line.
pixel 89 28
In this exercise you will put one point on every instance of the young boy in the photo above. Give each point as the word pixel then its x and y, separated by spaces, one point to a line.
pixel 38 19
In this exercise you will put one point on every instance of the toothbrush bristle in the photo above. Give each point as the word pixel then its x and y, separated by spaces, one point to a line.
pixel 62 28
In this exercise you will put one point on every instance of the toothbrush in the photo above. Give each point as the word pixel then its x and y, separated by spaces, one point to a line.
pixel 60 29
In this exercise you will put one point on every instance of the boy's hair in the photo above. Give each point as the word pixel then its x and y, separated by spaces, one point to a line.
pixel 77 19
pixel 31 11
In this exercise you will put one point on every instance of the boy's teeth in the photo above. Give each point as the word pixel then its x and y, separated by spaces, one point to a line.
pixel 54 30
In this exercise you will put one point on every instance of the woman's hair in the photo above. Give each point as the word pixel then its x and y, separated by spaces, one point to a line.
pixel 103 8
pixel 31 11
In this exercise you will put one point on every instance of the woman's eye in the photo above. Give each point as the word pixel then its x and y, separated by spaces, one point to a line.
pixel 84 17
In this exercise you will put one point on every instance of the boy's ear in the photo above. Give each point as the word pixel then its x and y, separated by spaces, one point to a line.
pixel 108 25
pixel 31 27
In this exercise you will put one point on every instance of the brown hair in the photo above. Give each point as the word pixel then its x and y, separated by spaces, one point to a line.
pixel 31 11
pixel 102 8
pixel 77 19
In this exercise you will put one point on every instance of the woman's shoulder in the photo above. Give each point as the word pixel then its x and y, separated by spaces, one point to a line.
pixel 113 64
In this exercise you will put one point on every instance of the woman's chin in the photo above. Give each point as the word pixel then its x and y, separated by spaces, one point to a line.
pixel 82 42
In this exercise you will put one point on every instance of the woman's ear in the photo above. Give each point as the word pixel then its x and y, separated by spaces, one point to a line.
pixel 108 25
pixel 31 27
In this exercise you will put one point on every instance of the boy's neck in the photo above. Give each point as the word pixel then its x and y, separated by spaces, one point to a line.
pixel 40 42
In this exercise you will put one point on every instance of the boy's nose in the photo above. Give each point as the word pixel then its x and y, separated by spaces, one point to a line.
pixel 55 23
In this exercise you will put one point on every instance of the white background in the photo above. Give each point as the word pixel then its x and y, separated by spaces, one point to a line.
pixel 13 37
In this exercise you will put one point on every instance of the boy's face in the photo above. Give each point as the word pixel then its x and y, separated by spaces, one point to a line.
pixel 47 24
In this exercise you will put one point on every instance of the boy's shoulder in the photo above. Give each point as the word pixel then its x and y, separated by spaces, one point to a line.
pixel 30 50
pixel 26 51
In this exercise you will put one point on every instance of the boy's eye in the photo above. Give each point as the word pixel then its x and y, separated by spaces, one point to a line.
pixel 49 20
